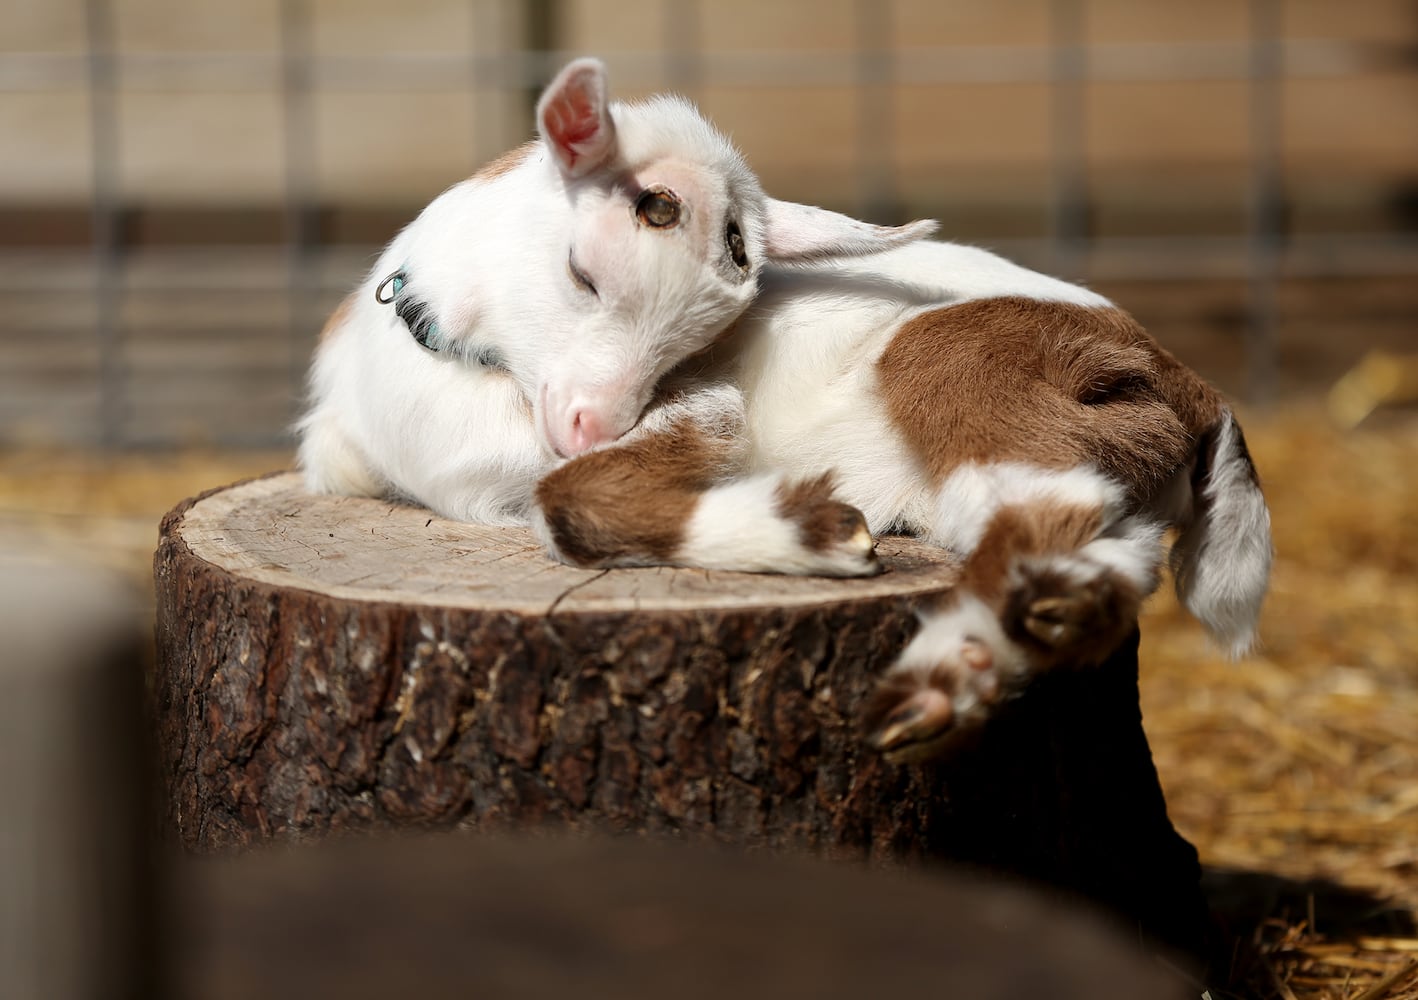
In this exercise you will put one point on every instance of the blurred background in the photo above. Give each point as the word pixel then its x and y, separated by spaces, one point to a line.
pixel 188 187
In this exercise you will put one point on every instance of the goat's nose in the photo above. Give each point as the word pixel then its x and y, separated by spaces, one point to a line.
pixel 587 431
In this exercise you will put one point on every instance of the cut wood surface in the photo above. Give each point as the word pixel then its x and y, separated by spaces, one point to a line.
pixel 329 664
pixel 271 531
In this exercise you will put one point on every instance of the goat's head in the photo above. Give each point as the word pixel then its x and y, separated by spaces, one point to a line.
pixel 639 241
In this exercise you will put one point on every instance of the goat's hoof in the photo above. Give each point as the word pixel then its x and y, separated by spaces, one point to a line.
pixel 1075 609
pixel 916 712
pixel 1058 621
pixel 833 534
pixel 853 543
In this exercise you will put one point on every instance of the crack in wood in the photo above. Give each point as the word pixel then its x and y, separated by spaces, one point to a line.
pixel 551 608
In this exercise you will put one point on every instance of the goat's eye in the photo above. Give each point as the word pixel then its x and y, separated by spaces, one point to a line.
pixel 733 239
pixel 579 276
pixel 658 207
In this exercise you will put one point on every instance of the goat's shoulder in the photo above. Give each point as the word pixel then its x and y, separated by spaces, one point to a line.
pixel 506 163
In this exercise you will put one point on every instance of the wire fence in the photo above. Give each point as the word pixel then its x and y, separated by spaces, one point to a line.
pixel 211 343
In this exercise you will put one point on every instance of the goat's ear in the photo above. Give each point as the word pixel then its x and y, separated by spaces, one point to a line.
pixel 802 234
pixel 575 120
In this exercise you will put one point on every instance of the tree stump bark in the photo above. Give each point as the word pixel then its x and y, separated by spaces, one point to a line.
pixel 332 663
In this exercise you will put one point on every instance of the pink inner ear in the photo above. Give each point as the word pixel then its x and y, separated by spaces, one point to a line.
pixel 574 118
pixel 572 122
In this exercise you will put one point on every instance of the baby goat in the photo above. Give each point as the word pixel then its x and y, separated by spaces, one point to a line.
pixel 613 334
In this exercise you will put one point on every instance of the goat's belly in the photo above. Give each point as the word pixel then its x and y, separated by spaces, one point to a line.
pixel 840 428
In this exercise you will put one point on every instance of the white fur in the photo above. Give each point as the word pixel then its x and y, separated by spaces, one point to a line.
pixel 738 526
pixel 971 496
pixel 392 417
pixel 1132 549
pixel 809 384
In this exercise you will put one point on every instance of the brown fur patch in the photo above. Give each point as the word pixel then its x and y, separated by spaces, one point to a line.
pixel 1033 529
pixel 631 503
pixel 1043 609
pixel 1048 383
pixel 823 521
pixel 506 163
pixel 337 318
pixel 1047 612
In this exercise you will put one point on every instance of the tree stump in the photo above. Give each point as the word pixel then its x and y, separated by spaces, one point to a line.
pixel 332 663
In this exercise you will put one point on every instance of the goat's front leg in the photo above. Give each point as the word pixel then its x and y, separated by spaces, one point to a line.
pixel 1053 580
pixel 677 496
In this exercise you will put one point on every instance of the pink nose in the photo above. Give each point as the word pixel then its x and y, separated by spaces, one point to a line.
pixel 587 431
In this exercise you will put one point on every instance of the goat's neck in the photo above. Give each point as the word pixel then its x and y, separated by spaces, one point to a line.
pixel 486 254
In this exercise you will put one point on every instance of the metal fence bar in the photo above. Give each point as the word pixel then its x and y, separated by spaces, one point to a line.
pixel 485 124
pixel 1069 215
pixel 683 69
pixel 876 133
pixel 104 215
pixel 298 162
pixel 533 71
pixel 1266 198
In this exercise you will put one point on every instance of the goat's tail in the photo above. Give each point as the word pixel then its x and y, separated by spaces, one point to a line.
pixel 1221 560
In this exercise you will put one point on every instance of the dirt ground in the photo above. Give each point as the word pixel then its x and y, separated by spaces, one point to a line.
pixel 1294 771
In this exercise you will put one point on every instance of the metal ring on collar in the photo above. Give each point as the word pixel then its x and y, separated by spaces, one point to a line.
pixel 396 280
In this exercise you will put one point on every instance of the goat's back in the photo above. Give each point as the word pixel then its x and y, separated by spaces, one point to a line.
pixel 1052 384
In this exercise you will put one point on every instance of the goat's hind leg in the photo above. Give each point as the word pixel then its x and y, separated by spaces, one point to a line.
pixel 674 494
pixel 1051 582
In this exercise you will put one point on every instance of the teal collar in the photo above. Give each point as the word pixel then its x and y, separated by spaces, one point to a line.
pixel 415 313
pixel 418 317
